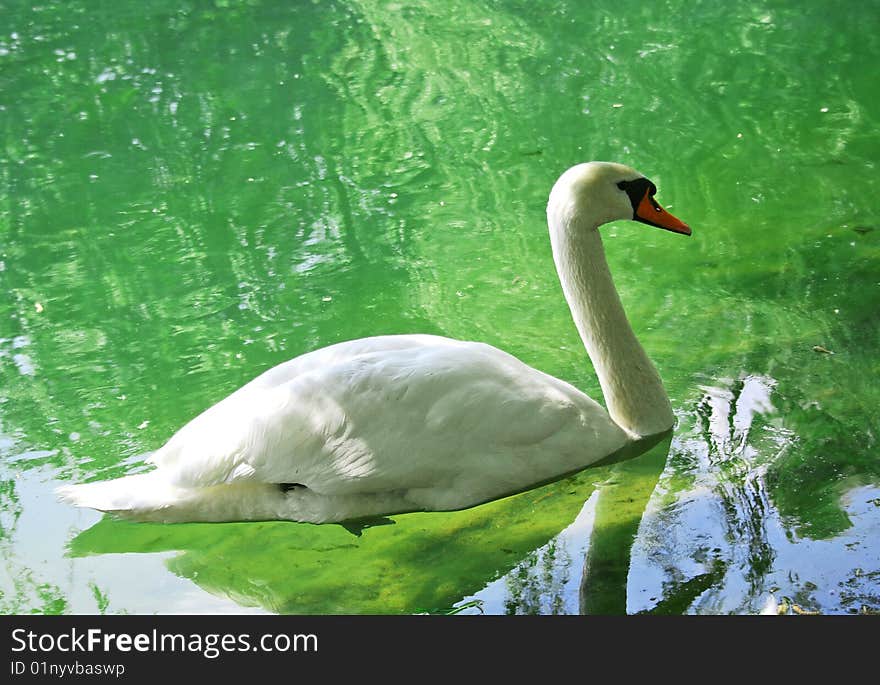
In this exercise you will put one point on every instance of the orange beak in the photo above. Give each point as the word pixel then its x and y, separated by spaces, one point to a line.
pixel 651 213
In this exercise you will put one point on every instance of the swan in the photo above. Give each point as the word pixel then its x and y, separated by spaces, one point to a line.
pixel 402 423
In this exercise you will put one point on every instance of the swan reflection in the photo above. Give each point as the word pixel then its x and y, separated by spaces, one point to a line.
pixel 424 562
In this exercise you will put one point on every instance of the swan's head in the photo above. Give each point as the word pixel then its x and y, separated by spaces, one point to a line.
pixel 589 195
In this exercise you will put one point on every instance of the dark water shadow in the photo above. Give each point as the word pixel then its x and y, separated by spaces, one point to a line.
pixel 622 503
pixel 585 568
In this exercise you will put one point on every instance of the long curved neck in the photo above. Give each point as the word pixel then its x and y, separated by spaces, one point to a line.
pixel 634 393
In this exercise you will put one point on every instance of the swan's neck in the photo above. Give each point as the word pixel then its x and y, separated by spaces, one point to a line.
pixel 634 393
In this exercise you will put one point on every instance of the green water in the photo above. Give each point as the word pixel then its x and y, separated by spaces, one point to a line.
pixel 193 191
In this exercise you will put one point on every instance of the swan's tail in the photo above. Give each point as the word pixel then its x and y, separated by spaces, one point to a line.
pixel 150 497
pixel 142 496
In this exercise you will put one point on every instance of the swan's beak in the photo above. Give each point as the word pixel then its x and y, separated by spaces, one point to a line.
pixel 651 213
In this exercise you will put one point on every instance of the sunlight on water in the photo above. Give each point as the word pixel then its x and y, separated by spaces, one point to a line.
pixel 193 192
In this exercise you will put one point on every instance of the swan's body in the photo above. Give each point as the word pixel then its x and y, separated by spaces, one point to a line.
pixel 415 422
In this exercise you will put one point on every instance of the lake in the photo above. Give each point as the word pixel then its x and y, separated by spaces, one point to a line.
pixel 192 192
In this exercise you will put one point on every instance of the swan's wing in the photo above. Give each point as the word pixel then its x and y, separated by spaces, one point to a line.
pixel 395 414
pixel 343 352
pixel 220 443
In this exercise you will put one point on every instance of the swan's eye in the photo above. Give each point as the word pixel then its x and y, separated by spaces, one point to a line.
pixel 636 190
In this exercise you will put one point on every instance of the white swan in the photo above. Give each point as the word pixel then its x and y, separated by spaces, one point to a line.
pixel 418 422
